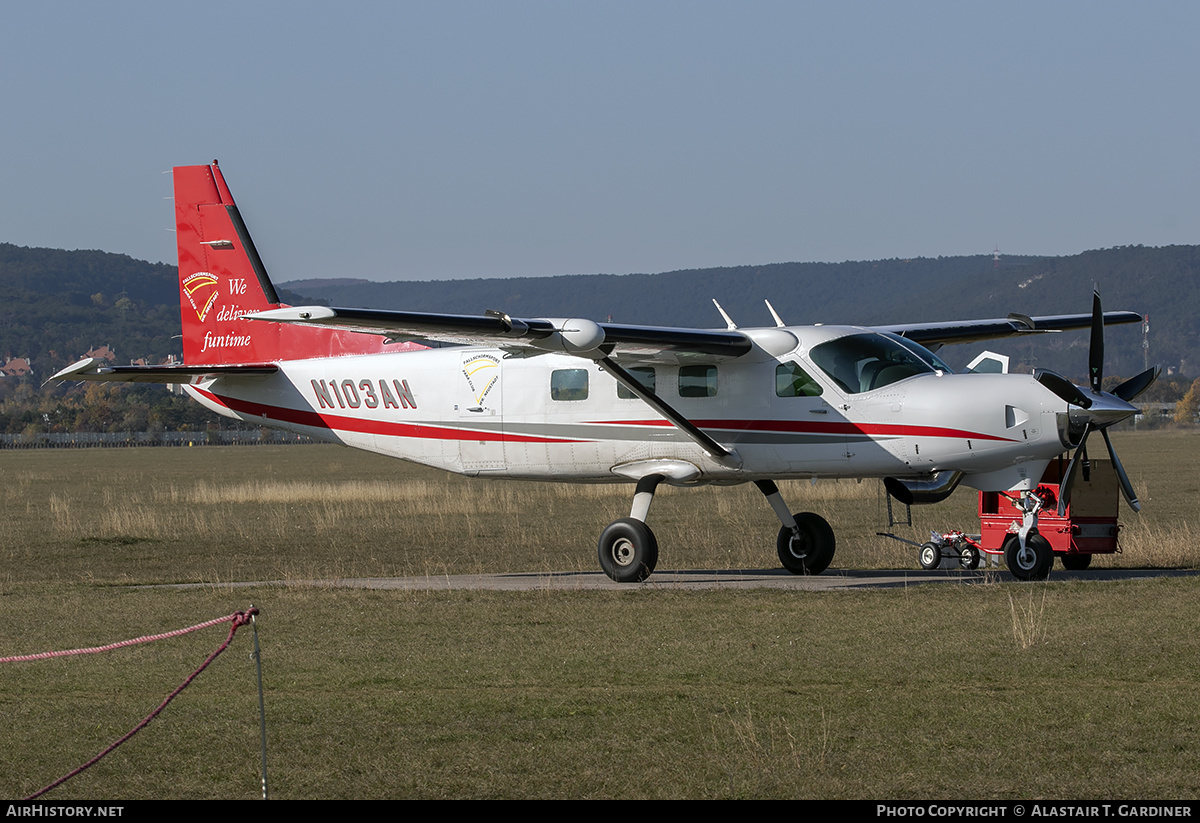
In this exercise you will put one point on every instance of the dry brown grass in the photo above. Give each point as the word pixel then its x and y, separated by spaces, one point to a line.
pixel 303 511
pixel 1154 546
pixel 1028 616
pixel 413 521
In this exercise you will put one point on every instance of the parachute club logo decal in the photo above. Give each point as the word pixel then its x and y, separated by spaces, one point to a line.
pixel 201 290
pixel 482 372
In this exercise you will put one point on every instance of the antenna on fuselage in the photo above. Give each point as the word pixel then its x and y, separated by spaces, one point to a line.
pixel 775 314
pixel 729 324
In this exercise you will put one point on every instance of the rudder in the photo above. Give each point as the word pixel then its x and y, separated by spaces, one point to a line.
pixel 221 278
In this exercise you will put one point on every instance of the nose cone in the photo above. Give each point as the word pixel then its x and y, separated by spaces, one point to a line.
pixel 1105 410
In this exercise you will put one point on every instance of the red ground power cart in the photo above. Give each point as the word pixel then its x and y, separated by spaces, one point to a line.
pixel 1088 527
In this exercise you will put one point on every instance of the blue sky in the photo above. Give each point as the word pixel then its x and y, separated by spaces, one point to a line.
pixel 417 141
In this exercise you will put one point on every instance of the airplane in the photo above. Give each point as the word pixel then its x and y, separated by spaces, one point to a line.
pixel 574 400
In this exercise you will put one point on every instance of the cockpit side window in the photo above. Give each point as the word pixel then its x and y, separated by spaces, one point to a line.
pixel 862 362
pixel 793 381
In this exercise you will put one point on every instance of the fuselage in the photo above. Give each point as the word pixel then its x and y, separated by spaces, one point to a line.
pixel 785 413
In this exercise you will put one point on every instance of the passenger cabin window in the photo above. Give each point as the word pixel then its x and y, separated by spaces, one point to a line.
pixel 793 381
pixel 697 381
pixel 862 362
pixel 644 375
pixel 569 384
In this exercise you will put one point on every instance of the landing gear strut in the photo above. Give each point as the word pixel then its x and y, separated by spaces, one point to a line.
pixel 1027 554
pixel 628 549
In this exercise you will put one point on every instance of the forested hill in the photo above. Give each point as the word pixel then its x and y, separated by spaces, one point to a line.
pixel 55 305
pixel 851 292
pixel 1163 282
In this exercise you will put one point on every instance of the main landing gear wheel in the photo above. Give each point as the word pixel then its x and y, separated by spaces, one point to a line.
pixel 1032 563
pixel 930 556
pixel 1075 562
pixel 628 551
pixel 812 551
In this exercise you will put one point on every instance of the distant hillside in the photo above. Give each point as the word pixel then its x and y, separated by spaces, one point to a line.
pixel 1163 282
pixel 851 292
pixel 326 282
pixel 55 305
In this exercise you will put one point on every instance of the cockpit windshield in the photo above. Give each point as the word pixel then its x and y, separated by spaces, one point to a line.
pixel 920 351
pixel 871 360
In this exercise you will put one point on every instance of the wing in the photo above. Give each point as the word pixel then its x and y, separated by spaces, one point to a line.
pixel 969 331
pixel 650 343
pixel 576 336
pixel 93 368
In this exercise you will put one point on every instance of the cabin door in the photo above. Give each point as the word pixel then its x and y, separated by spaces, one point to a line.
pixel 479 414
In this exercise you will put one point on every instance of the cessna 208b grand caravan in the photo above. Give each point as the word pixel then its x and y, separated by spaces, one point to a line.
pixel 572 400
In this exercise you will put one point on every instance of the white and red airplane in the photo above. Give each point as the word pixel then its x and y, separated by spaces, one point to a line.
pixel 572 400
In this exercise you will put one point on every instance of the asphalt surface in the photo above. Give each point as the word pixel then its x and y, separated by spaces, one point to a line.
pixel 831 580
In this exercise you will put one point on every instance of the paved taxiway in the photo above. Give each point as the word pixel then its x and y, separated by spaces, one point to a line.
pixel 694 579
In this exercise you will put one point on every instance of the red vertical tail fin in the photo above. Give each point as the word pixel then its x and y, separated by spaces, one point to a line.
pixel 221 278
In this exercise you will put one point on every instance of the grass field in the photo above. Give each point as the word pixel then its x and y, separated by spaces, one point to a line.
pixel 1000 690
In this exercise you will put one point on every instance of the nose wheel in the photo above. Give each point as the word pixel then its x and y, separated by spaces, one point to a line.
pixel 1031 561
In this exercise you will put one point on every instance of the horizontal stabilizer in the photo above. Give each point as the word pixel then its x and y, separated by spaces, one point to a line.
pixel 93 368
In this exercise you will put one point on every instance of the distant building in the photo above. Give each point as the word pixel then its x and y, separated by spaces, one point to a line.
pixel 1155 412
pixel 16 367
pixel 102 352
pixel 171 360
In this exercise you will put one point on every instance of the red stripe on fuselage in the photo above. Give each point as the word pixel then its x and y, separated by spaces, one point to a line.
pixel 334 422
pixel 361 425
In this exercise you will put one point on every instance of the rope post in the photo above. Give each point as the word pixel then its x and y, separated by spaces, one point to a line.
pixel 262 714
pixel 236 620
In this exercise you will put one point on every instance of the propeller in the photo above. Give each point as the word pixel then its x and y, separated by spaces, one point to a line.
pixel 1134 386
pixel 1063 387
pixel 1095 409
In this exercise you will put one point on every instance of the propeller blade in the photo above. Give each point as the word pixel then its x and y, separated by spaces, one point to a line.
pixel 1134 386
pixel 1064 488
pixel 1126 486
pixel 1062 387
pixel 1096 349
pixel 1105 414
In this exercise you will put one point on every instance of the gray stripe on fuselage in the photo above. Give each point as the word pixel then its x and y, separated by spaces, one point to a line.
pixel 611 431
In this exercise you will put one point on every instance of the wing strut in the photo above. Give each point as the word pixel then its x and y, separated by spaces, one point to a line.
pixel 715 450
